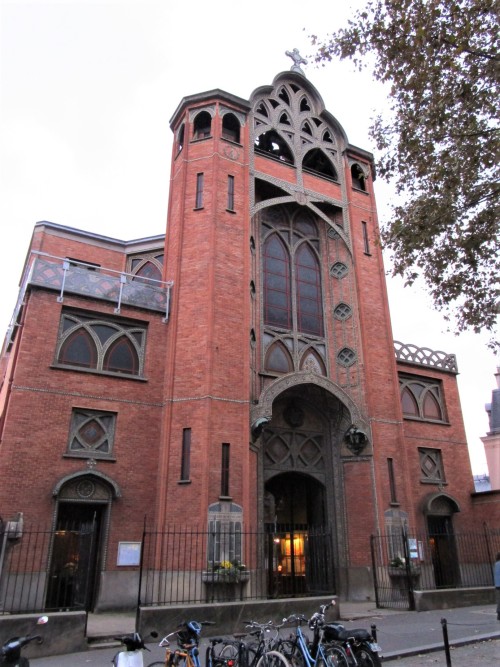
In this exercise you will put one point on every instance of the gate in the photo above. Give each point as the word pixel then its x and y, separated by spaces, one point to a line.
pixel 72 567
pixel 393 573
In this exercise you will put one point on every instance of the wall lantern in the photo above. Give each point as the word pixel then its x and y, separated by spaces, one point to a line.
pixel 355 439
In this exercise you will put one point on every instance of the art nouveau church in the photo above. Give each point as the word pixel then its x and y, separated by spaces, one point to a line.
pixel 237 371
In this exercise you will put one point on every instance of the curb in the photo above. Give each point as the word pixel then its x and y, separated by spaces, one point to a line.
pixel 433 648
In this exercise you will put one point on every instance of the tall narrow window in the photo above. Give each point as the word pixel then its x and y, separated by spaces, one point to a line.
pixel 277 297
pixel 291 272
pixel 392 481
pixel 224 480
pixel 186 454
pixel 230 193
pixel 199 191
pixel 308 286
pixel 366 240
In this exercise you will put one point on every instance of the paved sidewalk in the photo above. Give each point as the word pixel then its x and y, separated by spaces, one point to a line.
pixel 401 634
pixel 406 633
pixel 484 654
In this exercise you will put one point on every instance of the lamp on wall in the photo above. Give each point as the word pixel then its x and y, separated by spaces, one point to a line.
pixel 355 439
pixel 258 425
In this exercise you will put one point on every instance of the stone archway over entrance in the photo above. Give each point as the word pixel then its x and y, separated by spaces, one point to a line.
pixel 439 509
pixel 301 441
pixel 83 502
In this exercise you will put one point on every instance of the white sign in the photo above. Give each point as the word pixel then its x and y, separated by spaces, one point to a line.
pixel 129 553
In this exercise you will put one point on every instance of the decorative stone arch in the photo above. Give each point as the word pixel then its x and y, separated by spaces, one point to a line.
pixel 81 523
pixel 440 504
pixel 223 110
pixel 104 488
pixel 262 412
pixel 303 199
pixel 210 108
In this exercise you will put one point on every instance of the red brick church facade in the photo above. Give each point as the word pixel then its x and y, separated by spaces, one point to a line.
pixel 242 363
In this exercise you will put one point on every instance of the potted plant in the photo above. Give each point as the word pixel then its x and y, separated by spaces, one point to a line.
pixel 398 568
pixel 226 572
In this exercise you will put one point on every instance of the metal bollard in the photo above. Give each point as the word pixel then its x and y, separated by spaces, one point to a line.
pixel 374 632
pixel 446 642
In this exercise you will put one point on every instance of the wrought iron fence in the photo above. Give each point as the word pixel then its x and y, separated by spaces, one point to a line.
pixel 406 562
pixel 42 569
pixel 54 569
pixel 23 569
pixel 223 564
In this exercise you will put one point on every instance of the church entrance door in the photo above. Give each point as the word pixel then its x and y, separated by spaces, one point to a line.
pixel 299 547
pixel 75 552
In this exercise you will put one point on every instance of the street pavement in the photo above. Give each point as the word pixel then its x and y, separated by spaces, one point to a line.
pixel 407 638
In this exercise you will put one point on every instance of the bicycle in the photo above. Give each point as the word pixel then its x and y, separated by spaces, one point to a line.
pixel 360 645
pixel 188 639
pixel 300 652
pixel 260 653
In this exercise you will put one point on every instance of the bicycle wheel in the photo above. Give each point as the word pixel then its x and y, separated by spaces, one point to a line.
pixel 366 657
pixel 272 659
pixel 252 653
pixel 334 656
pixel 229 652
pixel 291 652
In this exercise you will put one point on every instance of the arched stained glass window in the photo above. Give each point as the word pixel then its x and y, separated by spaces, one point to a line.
pixel 421 398
pixel 150 271
pixel 79 350
pixel 277 296
pixel 121 357
pixel 409 403
pixel 291 270
pixel 432 409
pixel 278 359
pixel 307 277
pixel 91 342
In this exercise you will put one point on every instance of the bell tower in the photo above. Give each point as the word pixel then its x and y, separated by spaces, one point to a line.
pixel 205 443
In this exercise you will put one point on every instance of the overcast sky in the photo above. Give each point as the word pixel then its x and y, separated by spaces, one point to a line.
pixel 87 90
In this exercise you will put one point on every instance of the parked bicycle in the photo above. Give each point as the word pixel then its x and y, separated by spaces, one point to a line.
pixel 300 651
pixel 359 644
pixel 259 650
pixel 188 654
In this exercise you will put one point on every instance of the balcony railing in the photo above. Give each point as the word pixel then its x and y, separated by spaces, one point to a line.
pixel 424 356
pixel 71 277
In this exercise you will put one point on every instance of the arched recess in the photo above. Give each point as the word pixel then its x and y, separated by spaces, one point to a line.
pixel 78 550
pixel 440 504
pixel 263 410
pixel 301 451
pixel 439 509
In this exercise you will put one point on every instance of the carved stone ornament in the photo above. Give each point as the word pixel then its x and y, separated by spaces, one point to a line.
pixel 294 415
pixel 355 439
pixel 231 152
